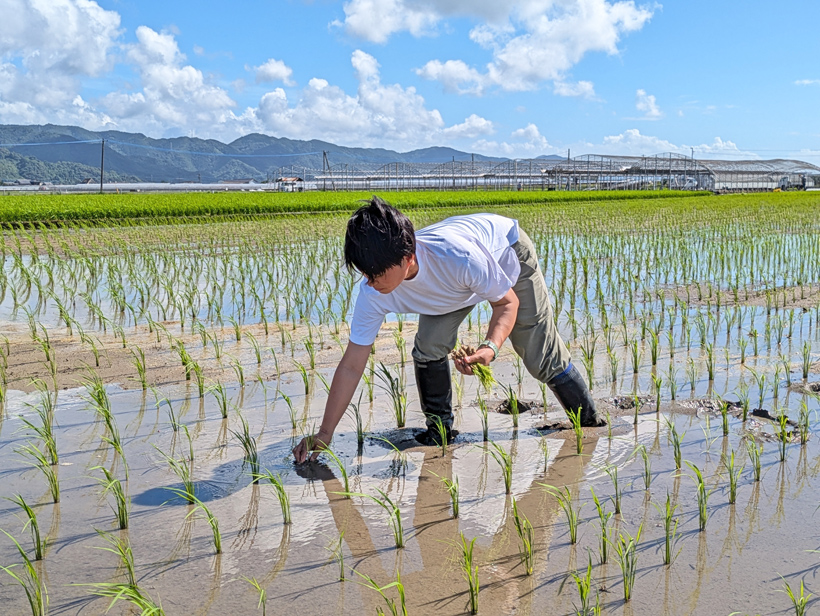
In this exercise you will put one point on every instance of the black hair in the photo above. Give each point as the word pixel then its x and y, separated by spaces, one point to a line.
pixel 378 237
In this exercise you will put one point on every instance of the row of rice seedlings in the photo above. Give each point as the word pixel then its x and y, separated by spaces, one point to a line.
pixel 121 500
pixel 29 580
pixel 527 536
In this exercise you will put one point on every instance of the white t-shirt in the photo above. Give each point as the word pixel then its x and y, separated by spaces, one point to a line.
pixel 462 261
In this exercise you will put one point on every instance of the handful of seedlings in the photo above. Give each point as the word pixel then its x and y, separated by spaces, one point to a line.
pixel 484 373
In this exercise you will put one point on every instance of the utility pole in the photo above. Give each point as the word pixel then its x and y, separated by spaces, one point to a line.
pixel 102 164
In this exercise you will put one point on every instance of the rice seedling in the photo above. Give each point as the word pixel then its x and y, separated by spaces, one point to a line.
pixel 207 513
pixel 29 580
pixel 45 431
pixel 134 595
pixel 40 543
pixel 584 585
pixel 236 365
pixel 803 424
pixel 512 405
pixel 138 358
pixel 733 473
pixel 505 462
pixel 452 490
pixel 800 600
pixel 220 393
pixel 743 398
pixel 336 549
pixel 183 471
pixel 806 356
pixel 395 610
pixel 572 514
pixel 702 493
pixel 612 471
pixel 603 523
pixel 281 493
pixel 257 350
pixel 658 383
pixel 39 461
pixel 305 376
pixel 710 361
pixel 613 365
pixel 394 386
pixel 393 513
pixel 122 501
pixel 626 553
pixel 526 535
pixel 120 546
pixel 754 451
pixel 692 374
pixel 676 442
pixel 291 409
pixel 485 419
pixel 248 443
pixel 760 378
pixel 641 451
pixel 672 379
pixel 670 529
pixel 340 466
pixel 263 594
pixel 724 416
pixel 637 404
pixel 441 432
pixel 470 570
pixel 357 419
pixel 782 434
pixel 200 378
pixel 575 419
pixel 636 355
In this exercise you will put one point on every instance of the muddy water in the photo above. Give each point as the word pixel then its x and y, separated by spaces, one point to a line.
pixel 735 565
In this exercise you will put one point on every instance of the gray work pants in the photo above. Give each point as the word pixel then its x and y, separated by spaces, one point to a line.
pixel 534 336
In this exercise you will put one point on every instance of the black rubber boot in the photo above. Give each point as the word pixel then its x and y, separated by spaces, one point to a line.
pixel 572 392
pixel 436 399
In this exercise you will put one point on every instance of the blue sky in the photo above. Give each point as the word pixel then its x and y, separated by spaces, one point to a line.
pixel 518 78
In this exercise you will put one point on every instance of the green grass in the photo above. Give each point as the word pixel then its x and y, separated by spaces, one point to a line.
pixel 109 208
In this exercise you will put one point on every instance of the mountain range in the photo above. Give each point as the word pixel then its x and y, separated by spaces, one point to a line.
pixel 70 154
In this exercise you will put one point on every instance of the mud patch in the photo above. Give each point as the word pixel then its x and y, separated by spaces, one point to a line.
pixel 524 406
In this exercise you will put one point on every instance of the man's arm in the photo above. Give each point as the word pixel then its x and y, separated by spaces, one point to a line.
pixel 345 380
pixel 502 321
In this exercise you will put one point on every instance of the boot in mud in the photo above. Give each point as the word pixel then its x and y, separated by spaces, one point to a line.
pixel 436 399
pixel 572 392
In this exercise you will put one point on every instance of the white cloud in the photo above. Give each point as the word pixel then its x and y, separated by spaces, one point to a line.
pixel 584 89
pixel 646 104
pixel 454 75
pixel 632 142
pixel 532 41
pixel 274 70
pixel 174 96
pixel 807 82
pixel 47 48
pixel 527 142
pixel 378 115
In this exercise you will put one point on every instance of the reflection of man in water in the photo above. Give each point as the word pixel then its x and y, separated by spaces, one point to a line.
pixel 440 273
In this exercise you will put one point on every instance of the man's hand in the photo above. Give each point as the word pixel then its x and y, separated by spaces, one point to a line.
pixel 483 355
pixel 311 446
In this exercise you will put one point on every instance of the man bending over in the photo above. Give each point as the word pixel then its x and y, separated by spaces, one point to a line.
pixel 440 273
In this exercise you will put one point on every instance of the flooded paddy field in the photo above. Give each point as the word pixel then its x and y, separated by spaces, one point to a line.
pixel 158 377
